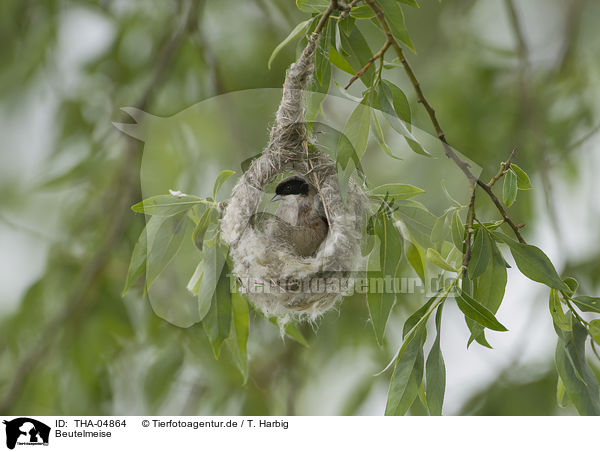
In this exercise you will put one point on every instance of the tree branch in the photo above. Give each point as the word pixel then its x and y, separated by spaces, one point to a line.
pixel 348 7
pixel 501 209
pixel 333 5
pixel 450 153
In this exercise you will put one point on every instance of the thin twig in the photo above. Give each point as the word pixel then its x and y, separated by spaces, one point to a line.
pixel 333 5
pixel 469 228
pixel 504 167
pixel 380 53
pixel 501 209
pixel 575 313
pixel 381 64
pixel 348 7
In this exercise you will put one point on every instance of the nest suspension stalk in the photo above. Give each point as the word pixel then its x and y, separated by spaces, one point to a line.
pixel 277 278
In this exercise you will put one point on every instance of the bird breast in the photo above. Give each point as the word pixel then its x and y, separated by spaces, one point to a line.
pixel 308 235
pixel 297 223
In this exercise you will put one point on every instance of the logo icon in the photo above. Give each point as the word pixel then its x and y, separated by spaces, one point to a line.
pixel 26 431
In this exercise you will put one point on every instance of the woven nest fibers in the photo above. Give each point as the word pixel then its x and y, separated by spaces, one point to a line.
pixel 276 279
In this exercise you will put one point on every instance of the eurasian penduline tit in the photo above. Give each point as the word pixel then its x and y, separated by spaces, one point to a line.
pixel 299 220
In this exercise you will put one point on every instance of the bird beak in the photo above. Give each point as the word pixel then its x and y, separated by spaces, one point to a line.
pixel 276 198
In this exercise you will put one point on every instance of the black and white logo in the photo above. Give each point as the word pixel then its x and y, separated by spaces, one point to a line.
pixel 24 431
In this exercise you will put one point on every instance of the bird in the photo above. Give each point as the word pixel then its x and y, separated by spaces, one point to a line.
pixel 299 221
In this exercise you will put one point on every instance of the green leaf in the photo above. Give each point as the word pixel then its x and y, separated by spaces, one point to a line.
pixel 409 2
pixel 346 25
pixel 213 259
pixel 353 143
pixel 408 374
pixel 210 216
pixel 380 302
pixel 339 61
pixel 220 180
pixel 458 231
pixel 245 165
pixel 416 258
pixel 477 333
pixel 417 219
pixel 137 264
pixel 379 135
pixel 489 290
pixel 476 311
pixel 312 6
pixel 572 283
pixel 343 176
pixel 162 374
pixel 293 332
pixel 398 100
pixel 579 381
pixel 322 76
pixel 421 394
pixel 416 316
pixel 193 284
pixel 436 371
pixel 489 225
pixel 480 255
pixel 396 191
pixel 395 19
pixel 561 394
pixel 362 12
pixel 298 31
pixel 368 237
pixel 588 304
pixel 448 195
pixel 217 322
pixel 359 53
pixel 382 100
pixel 533 263
pixel 167 205
pixel 523 181
pixel 558 316
pixel 165 244
pixel 240 331
pixel 439 231
pixel 595 330
pixel 416 147
pixel 436 258
pixel 509 191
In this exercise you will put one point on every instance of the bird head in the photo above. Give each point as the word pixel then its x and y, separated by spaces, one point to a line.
pixel 299 200
pixel 294 185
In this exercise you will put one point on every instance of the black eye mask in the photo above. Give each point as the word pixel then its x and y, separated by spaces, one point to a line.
pixel 294 185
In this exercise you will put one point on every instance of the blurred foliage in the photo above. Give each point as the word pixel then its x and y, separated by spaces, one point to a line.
pixel 535 397
pixel 71 345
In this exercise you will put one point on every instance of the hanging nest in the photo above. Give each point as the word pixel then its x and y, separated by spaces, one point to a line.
pixel 275 277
